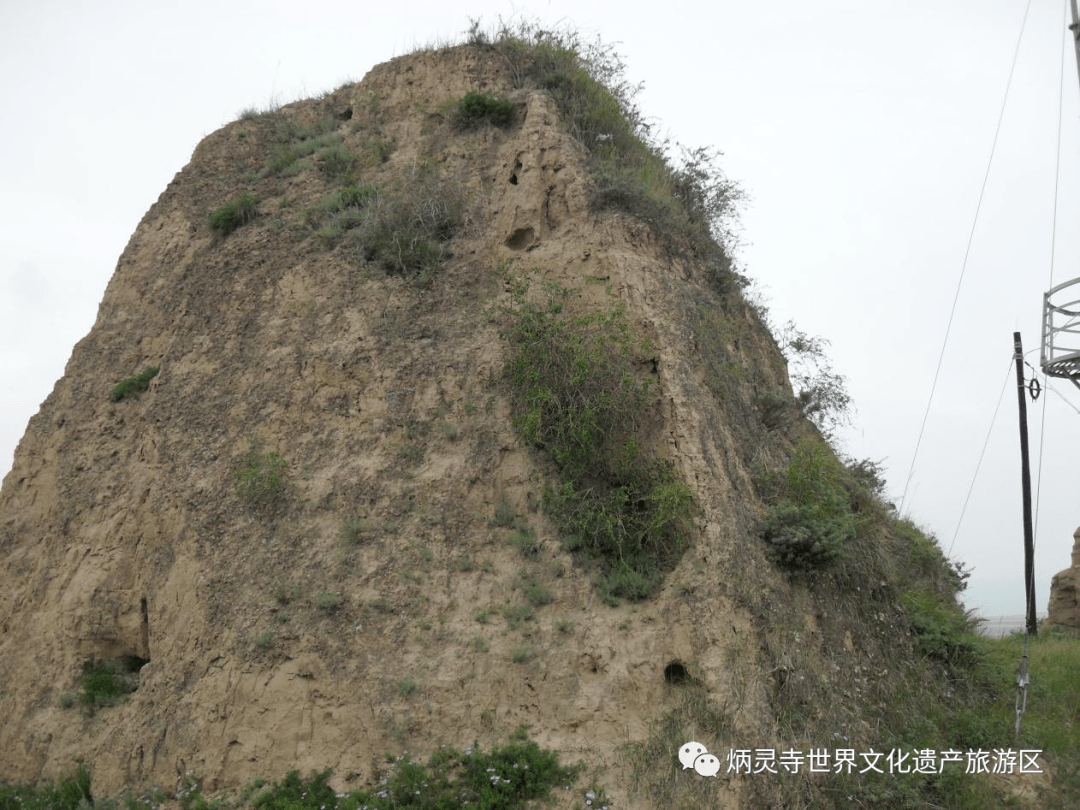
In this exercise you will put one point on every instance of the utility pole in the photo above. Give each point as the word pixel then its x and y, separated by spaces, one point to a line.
pixel 1025 474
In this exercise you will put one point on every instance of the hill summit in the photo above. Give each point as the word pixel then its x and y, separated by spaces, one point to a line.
pixel 430 410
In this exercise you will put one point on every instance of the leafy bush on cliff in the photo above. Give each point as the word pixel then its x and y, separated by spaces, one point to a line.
pixel 233 214
pixel 476 109
pixel 810 520
pixel 103 684
pixel 401 227
pixel 575 395
pixel 133 386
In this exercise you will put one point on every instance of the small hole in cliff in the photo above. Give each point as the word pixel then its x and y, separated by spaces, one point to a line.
pixel 345 114
pixel 520 239
pixel 513 174
pixel 133 663
pixel 676 674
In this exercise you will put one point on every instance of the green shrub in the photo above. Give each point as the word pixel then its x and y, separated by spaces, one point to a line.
pixel 103 684
pixel 297 154
pixel 70 793
pixel 805 537
pixel 505 516
pixel 476 109
pixel 404 229
pixel 328 602
pixel 265 640
pixel 517 615
pixel 575 394
pixel 507 777
pixel 538 595
pixel 821 393
pixel 285 595
pixel 261 481
pixel 942 630
pixel 233 214
pixel 810 520
pixel 133 386
pixel 336 161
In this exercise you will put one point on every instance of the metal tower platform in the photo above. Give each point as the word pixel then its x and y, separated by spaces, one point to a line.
pixel 1061 332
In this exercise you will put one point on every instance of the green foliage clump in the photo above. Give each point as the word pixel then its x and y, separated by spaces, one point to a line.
pixel 505 778
pixel 575 395
pixel 476 109
pixel 810 520
pixel 262 481
pixel 404 229
pixel 942 630
pixel 133 386
pixel 233 214
pixel 300 146
pixel 328 602
pixel 70 793
pixel 336 161
pixel 103 684
pixel 265 640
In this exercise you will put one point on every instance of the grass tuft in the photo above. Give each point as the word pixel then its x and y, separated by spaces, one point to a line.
pixel 262 481
pixel 234 214
pixel 133 386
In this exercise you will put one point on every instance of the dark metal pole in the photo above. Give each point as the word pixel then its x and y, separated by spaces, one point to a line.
pixel 1029 542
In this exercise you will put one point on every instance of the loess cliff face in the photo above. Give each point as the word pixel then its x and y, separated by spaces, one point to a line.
pixel 369 609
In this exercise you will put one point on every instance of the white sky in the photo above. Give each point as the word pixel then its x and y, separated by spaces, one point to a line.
pixel 861 132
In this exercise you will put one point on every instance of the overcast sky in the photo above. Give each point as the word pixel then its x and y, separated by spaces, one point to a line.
pixel 860 131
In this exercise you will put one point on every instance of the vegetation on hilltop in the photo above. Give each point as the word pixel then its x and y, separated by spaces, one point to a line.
pixel 688 202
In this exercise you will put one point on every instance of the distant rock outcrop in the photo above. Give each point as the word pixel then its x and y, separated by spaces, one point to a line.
pixel 1064 608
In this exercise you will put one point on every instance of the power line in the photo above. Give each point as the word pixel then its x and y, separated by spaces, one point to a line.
pixel 1063 397
pixel 978 464
pixel 1050 283
pixel 967 253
